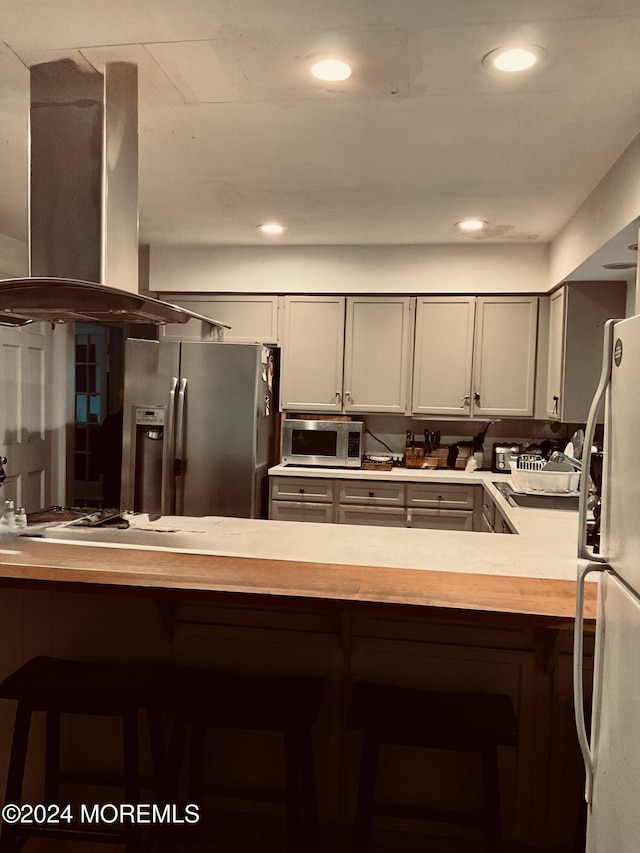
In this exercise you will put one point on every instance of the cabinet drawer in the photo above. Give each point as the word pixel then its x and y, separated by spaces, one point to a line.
pixel 302 489
pixel 368 493
pixel 446 496
pixel 435 519
pixel 380 516
pixel 299 511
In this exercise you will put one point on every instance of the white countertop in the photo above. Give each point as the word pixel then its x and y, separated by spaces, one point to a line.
pixel 544 546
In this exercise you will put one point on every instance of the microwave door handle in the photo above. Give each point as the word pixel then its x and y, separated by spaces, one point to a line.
pixel 605 377
pixel 167 498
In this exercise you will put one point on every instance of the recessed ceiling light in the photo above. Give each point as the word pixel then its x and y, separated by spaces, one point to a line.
pixel 515 58
pixel 333 70
pixel 469 225
pixel 273 228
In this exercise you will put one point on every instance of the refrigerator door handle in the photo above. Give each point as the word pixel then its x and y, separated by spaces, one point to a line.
pixel 578 686
pixel 179 458
pixel 605 375
pixel 167 498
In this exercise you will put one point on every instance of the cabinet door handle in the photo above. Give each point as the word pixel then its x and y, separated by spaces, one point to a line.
pixel 476 396
pixel 338 396
pixel 466 401
pixel 556 400
pixel 372 494
pixel 347 395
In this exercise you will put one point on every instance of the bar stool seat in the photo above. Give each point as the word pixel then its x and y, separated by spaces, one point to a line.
pixel 465 722
pixel 288 705
pixel 57 686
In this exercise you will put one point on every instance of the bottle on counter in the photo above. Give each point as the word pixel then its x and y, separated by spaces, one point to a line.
pixel 9 515
pixel 21 518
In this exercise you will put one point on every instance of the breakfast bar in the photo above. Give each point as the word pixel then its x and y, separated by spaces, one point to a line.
pixel 530 575
pixel 434 609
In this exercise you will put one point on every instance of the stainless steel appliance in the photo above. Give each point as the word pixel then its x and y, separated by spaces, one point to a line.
pixel 612 752
pixel 198 428
pixel 502 455
pixel 334 444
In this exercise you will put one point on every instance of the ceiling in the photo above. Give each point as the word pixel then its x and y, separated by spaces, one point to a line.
pixel 234 131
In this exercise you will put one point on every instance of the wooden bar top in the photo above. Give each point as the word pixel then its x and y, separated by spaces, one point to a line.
pixel 40 563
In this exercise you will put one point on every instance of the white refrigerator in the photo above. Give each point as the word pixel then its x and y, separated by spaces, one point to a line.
pixel 611 749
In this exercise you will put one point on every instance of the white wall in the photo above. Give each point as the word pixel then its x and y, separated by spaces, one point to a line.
pixel 607 210
pixel 456 268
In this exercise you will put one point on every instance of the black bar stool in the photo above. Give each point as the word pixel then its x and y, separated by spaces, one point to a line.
pixel 477 723
pixel 288 705
pixel 57 686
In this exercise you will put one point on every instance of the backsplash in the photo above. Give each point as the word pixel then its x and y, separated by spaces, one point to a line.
pixel 392 430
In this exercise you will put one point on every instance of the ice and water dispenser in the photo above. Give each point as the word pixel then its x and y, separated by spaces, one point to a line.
pixel 150 435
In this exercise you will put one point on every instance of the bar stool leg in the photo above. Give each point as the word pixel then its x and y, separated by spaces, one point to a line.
pixel 197 759
pixel 15 776
pixel 366 792
pixel 491 782
pixel 293 793
pixel 52 757
pixel 308 782
pixel 130 741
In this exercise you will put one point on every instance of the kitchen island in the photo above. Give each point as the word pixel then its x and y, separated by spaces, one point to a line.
pixel 530 574
pixel 432 608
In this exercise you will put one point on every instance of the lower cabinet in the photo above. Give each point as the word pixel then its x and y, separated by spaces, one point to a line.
pixel 433 506
pixel 380 516
pixel 492 520
pixel 438 519
pixel 301 499
pixel 300 511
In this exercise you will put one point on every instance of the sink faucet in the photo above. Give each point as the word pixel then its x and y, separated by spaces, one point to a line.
pixel 558 456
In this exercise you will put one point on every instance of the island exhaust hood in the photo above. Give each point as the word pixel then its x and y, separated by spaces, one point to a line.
pixel 83 203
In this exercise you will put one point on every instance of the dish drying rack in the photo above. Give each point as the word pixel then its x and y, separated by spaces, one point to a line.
pixel 530 462
pixel 528 475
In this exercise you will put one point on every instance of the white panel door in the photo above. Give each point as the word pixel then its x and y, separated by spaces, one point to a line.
pixel 443 355
pixel 25 414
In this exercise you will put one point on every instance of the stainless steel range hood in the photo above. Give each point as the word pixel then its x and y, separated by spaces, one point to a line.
pixel 58 300
pixel 83 203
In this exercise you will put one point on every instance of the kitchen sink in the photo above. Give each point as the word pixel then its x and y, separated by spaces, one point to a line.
pixel 539 501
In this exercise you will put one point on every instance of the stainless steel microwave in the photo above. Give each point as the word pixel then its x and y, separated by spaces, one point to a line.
pixel 334 444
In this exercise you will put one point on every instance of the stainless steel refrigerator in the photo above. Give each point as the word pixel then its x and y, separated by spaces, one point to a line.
pixel 198 428
pixel 612 749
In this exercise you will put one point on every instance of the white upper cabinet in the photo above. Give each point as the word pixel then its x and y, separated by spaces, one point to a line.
pixel 504 365
pixel 253 317
pixel 312 353
pixel 346 354
pixel 557 313
pixel 577 315
pixel 475 356
pixel 443 355
pixel 378 338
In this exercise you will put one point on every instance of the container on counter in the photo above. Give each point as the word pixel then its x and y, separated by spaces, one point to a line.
pixel 9 515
